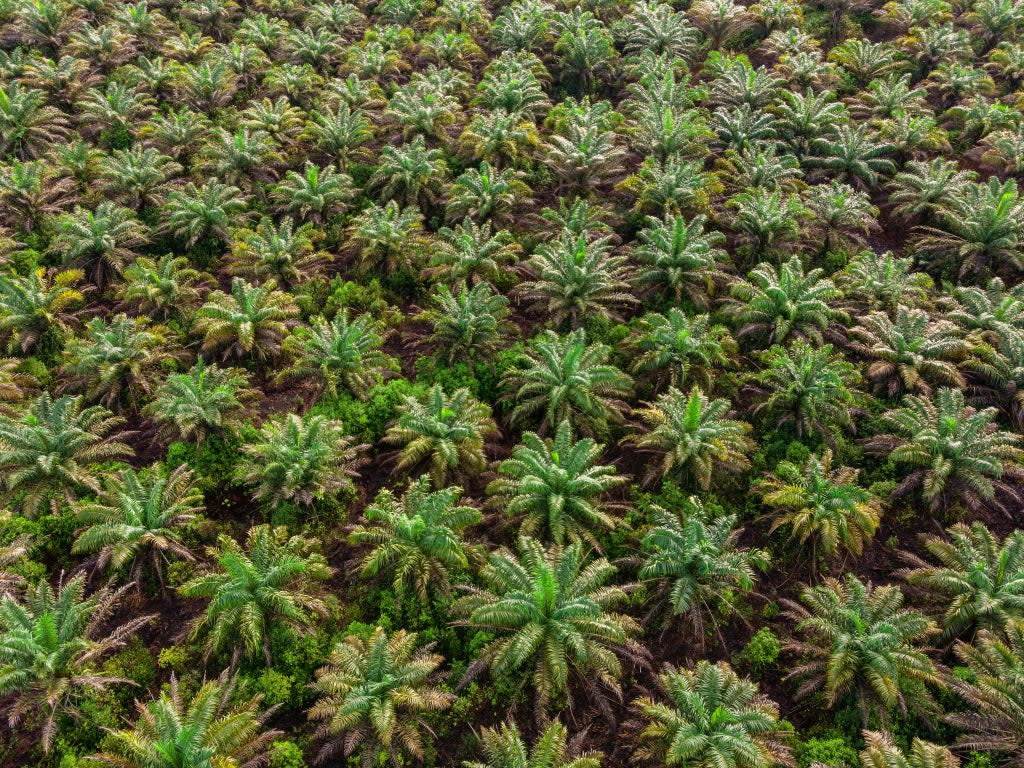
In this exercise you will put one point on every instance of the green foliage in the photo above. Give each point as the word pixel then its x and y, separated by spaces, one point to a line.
pixel 760 653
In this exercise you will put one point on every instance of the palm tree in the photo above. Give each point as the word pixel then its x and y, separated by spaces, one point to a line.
pixel 911 353
pixel 693 436
pixel 339 352
pixel 214 727
pixel 300 460
pixel 566 379
pixel 50 448
pixel 117 363
pixel 50 643
pixel 32 191
pixel 469 323
pixel 956 453
pixel 210 211
pixel 137 518
pixel 202 401
pixel 37 309
pixel 776 305
pixel 410 174
pixel 574 279
pixel 472 253
pixel 548 610
pixel 811 388
pixel 161 288
pixel 710 717
pixel 372 695
pixel 994 693
pixel 766 222
pixel 677 348
pixel 250 322
pixel 978 582
pixel 486 194
pixel 880 282
pixel 923 189
pixel 584 48
pixel 281 252
pixel 679 257
pixel 821 504
pixel 880 751
pixel 842 218
pixel 341 133
pixel 850 154
pixel 316 195
pixel 12 583
pixel 387 239
pixel 698 563
pixel 417 538
pixel 979 228
pixel 557 484
pixel 658 28
pixel 28 125
pixel 860 642
pixel 101 242
pixel 445 433
pixel 137 176
pixel 270 582
pixel 503 747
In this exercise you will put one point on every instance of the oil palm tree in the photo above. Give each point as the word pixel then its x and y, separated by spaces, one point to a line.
pixel 37 310
pixel 823 505
pixel 567 379
pixel 881 282
pixel 387 239
pixel 880 751
pixel 469 323
pixel 443 433
pixel 161 288
pixel 416 539
pixel 557 486
pixel 271 581
pixel 994 693
pixel 315 195
pixel 911 353
pixel 693 436
pixel 549 612
pixel 979 228
pixel 574 279
pixel 954 452
pixel 779 304
pixel 470 252
pixel 504 747
pixel 117 363
pixel 50 643
pixel 679 257
pixel 372 695
pixel 710 717
pixel 339 352
pixel 697 562
pixel 195 213
pixel 248 323
pixel 50 449
pixel 215 726
pixel 300 460
pixel 676 348
pixel 282 252
pixel 137 520
pixel 199 402
pixel 977 582
pixel 101 242
pixel 810 388
pixel 859 642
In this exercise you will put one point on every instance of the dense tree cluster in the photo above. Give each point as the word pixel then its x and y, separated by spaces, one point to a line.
pixel 533 384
